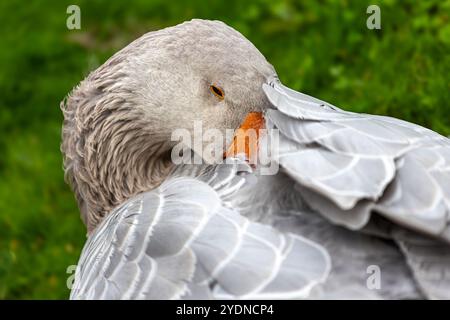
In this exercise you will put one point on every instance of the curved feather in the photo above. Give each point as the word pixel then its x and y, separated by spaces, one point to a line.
pixel 399 168
pixel 181 241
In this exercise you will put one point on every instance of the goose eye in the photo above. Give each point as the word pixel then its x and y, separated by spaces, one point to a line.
pixel 218 92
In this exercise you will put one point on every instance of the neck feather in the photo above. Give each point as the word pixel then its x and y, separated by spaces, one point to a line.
pixel 111 157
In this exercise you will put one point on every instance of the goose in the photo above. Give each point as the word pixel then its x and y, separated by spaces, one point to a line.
pixel 358 208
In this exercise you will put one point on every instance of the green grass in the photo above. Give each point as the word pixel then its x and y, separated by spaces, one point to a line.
pixel 322 48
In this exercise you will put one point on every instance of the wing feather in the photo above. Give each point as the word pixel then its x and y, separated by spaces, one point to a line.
pixel 401 169
pixel 181 241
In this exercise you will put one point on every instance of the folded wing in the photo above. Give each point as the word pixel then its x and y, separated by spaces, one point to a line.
pixel 182 241
pixel 351 165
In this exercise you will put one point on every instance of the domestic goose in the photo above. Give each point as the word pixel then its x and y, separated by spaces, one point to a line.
pixel 353 197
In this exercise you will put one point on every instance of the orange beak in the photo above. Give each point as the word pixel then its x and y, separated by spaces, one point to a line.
pixel 245 140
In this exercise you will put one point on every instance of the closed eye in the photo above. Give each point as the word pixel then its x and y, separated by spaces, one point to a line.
pixel 218 92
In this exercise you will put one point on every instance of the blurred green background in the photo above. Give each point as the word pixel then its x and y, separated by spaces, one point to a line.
pixel 319 47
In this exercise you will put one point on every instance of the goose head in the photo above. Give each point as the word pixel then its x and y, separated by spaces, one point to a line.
pixel 118 122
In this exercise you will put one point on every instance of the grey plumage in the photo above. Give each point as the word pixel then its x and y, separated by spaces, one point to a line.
pixel 350 166
pixel 180 241
pixel 363 163
pixel 354 190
